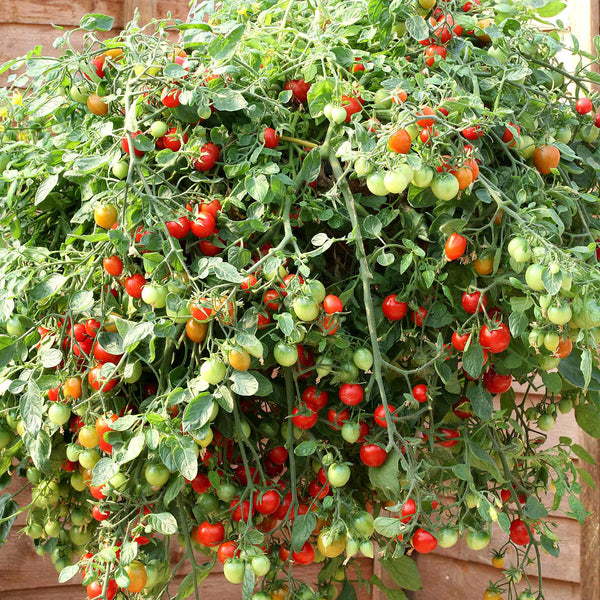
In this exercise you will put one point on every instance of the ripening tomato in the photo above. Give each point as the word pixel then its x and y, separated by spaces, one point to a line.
pixel 98 383
pixel 419 393
pixel 72 388
pixel 299 89
pixel 170 98
pixel 455 246
pixel 203 225
pixel 372 455
pixel 314 399
pixel 546 158
pixel 113 265
pixel 209 534
pixel 423 541
pixel 97 105
pixel 459 341
pixel 134 285
pixel 95 590
pixel 518 533
pixel 105 216
pixel 270 137
pixel 393 309
pixel 351 394
pixel 495 340
pixel 584 106
pixel 435 50
pixel 474 302
pixel 209 155
pixel 136 572
pixel 304 421
pixel 495 383
pixel 400 142
pixel 103 427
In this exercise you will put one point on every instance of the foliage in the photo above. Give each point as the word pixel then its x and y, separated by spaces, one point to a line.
pixel 172 218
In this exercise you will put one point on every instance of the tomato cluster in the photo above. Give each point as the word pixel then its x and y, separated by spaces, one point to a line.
pixel 269 300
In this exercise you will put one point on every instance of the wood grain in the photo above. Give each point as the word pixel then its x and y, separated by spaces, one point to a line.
pixel 59 12
pixel 145 8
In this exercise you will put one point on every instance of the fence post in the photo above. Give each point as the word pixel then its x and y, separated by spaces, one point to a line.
pixel 589 561
pixel 146 8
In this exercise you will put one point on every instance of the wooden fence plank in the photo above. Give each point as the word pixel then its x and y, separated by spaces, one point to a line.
pixel 146 9
pixel 59 12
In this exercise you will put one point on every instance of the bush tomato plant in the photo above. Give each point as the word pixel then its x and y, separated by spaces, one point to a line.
pixel 224 257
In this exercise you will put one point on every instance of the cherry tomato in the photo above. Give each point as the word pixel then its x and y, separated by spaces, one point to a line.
pixel 474 302
pixel 419 393
pixel 495 340
pixel 203 225
pixel 105 216
pixel 271 139
pixel 393 309
pixel 209 534
pixel 459 341
pixel 423 541
pixel 518 533
pixel 372 455
pixel 495 383
pixel 400 142
pixel 299 89
pixel 546 158
pixel 96 590
pixel 314 399
pixel 113 265
pixel 351 394
pixel 209 155
pixel 584 106
pixel 435 50
pixel 455 246
pixel 134 285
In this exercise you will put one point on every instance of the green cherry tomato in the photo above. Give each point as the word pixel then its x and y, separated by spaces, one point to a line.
pixel 213 370
pixel 233 569
pixel 551 341
pixel 132 372
pixel 261 565
pixel 563 134
pixel 447 537
pixel 546 422
pixel 154 295
pixel 351 432
pixel 59 414
pixel 6 438
pixel 362 167
pixel 422 177
pixel 395 182
pixel 383 98
pixel 526 146
pixel 533 277
pixel 445 186
pixel 226 492
pixel 317 290
pixel 560 315
pixel 324 366
pixel 156 475
pixel 477 540
pixel 519 250
pixel 285 354
pixel 120 169
pixel 589 133
pixel 338 475
pixel 158 129
pixel 364 523
pixel 347 372
pixel 363 358
pixel 306 308
pixel 376 185
pixel 78 94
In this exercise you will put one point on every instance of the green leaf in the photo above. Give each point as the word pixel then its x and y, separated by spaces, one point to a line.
pixel 31 408
pixel 40 448
pixel 48 287
pixel 586 367
pixel 576 505
pixel 8 514
pixel 481 401
pixel 462 472
pixel 473 360
pixel 223 47
pixel 248 582
pixel 534 509
pixel 68 573
pixel 319 95
pixel 392 594
pixel 45 188
pixel 197 576
pixel 518 323
pixel 51 357
pixel 372 226
pixel 552 282
pixel 403 571
pixel 137 334
pixel 586 478
pixel 417 28
pixel 226 272
pixel 111 341
pixel 348 592
pixel 588 418
pixel 438 315
pixel 387 476
pixel 552 381
pixel 173 489
pixel 550 546
pixel 81 301
pixel 164 523
pixel 257 186
pixel 97 22
pixel 388 526
pixel 285 322
pixel 177 454
pixel 103 471
pixel 306 448
pixel 552 9
pixel 302 528
pixel 244 383
pixel 197 412
pixel 7 350
pixel 570 369
pixel 583 454
pixel 229 100
pixel 311 167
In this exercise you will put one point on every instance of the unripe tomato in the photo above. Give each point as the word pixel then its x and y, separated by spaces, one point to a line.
pixel 233 569
pixel 239 360
pixel 375 183
pixel 445 186
pixel 306 308
pixel 338 475
pixel 105 216
pixel 363 358
pixel 477 540
pixel 447 537
pixel 213 370
pixel 285 354
pixel 156 475
pixel 58 413
pixel 88 437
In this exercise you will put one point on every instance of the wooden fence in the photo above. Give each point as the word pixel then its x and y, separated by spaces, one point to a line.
pixel 455 574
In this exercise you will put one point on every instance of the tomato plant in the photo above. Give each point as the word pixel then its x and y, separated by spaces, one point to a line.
pixel 259 280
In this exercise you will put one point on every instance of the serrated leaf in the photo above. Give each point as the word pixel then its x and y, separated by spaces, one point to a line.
pixel 388 526
pixel 473 359
pixel 197 413
pixel 173 489
pixel 302 529
pixel 103 471
pixel 68 573
pixel 417 28
pixel 45 188
pixel 583 454
pixel 518 323
pixel 588 418
pixel 481 402
pixel 177 454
